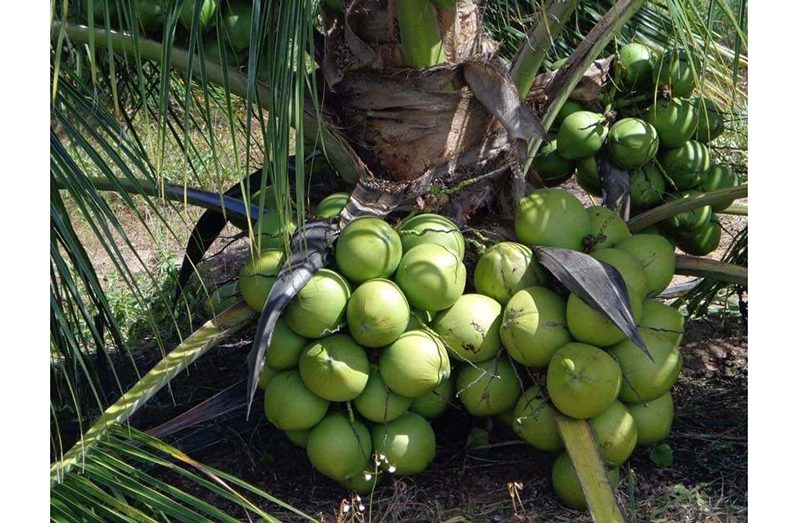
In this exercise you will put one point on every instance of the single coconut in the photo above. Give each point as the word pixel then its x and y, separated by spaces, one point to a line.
pixel 702 241
pixel 582 380
pixel 632 143
pixel 661 320
pixel 431 228
pixel 332 205
pixel 634 66
pixel 685 165
pixel 237 23
pixel 407 444
pixel 552 168
pixel 710 120
pixel 675 121
pixel 320 306
pixel 567 109
pixel 587 175
pixel 589 325
pixel 644 379
pixel 363 482
pixel 266 374
pixel 533 421
pixel 335 368
pixel 151 15
pixel 552 218
pixel 505 269
pixel 615 433
pixel 687 221
pixel 273 230
pixel 534 326
pixel 290 404
pixel 657 257
pixel 581 134
pixel 630 267
pixel 368 248
pixel 223 297
pixel 676 71
pixel 470 327
pixel 434 403
pixel 488 388
pixel 257 277
pixel 567 486
pixel 647 186
pixel 719 177
pixel 298 437
pixel 378 403
pixel 414 364
pixel 653 419
pixel 377 313
pixel 338 447
pixel 432 277
pixel 207 13
pixel 606 228
pixel 285 348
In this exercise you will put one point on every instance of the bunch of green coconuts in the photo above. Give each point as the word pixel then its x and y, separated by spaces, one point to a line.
pixel 655 130
pixel 395 331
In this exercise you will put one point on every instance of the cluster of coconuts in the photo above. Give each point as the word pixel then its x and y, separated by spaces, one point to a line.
pixel 656 132
pixel 592 370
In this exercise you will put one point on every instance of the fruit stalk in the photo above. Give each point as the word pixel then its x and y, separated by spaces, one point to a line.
pixel 703 267
pixel 421 37
pixel 667 210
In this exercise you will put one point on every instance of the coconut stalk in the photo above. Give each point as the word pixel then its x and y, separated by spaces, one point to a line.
pixel 735 209
pixel 203 339
pixel 666 210
pixel 338 152
pixel 526 64
pixel 422 45
pixel 711 269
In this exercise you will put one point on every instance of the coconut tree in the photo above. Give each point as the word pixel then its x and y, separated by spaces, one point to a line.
pixel 406 104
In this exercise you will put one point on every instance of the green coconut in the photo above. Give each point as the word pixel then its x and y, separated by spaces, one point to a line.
pixel 431 228
pixel 407 444
pixel 378 403
pixel 266 374
pixel 567 486
pixel 377 313
pixel 675 70
pixel 533 421
pixel 631 268
pixel 414 364
pixel 661 320
pixel 702 241
pixel 488 388
pixel 710 120
pixel 272 230
pixel 615 433
pixel 685 165
pixel 237 23
pixel 581 134
pixel 588 325
pixel 470 327
pixel 582 380
pixel 257 277
pixel 335 368
pixel 368 248
pixel 432 277
pixel 657 257
pixel 643 379
pixel 151 14
pixel 320 306
pixel 552 168
pixel 363 482
pixel 338 447
pixel 434 403
pixel 505 269
pixel 632 143
pixel 552 218
pixel 207 13
pixel 653 419
pixel 332 205
pixel 290 404
pixel 285 348
pixel 647 187
pixel 719 177
pixel 675 121
pixel 587 175
pixel 298 437
pixel 567 109
pixel 534 326
pixel 606 228
pixel 687 221
pixel 634 66
pixel 223 297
